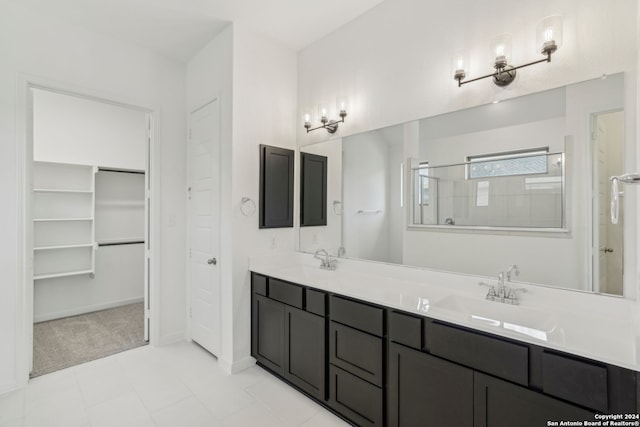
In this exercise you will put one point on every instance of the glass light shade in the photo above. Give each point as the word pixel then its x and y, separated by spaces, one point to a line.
pixel 460 65
pixel 501 50
pixel 342 104
pixel 549 34
pixel 307 118
pixel 323 113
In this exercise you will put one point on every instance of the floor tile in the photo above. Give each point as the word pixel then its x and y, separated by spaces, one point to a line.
pixel 12 406
pixel 64 409
pixel 158 390
pixel 187 413
pixel 126 410
pixel 291 406
pixel 179 385
pixel 222 397
pixel 50 384
pixel 16 422
pixel 324 418
pixel 102 381
pixel 257 414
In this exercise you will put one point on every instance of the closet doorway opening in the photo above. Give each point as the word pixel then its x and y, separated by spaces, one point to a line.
pixel 88 228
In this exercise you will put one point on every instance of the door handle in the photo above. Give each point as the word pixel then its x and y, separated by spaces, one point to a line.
pixel 212 261
pixel 607 250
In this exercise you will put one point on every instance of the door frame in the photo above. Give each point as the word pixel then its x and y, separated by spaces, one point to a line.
pixel 24 166
pixel 188 220
pixel 628 261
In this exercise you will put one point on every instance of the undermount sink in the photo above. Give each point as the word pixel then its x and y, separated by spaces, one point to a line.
pixel 534 322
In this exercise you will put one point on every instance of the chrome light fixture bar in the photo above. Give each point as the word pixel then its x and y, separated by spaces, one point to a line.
pixel 549 35
pixel 331 126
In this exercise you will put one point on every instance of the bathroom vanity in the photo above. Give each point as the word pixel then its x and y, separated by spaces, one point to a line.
pixel 387 345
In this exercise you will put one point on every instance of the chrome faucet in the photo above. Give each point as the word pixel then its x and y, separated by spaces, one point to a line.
pixel 513 269
pixel 326 263
pixel 501 292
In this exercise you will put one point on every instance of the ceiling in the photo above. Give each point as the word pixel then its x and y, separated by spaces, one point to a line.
pixel 179 28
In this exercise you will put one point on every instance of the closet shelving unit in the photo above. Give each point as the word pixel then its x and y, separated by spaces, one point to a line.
pixel 63 207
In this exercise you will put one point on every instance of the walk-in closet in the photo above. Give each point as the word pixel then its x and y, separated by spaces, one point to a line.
pixel 89 210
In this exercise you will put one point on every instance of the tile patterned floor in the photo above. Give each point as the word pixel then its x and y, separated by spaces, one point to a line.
pixel 174 386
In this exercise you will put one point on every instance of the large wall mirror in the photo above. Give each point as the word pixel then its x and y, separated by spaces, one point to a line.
pixel 523 181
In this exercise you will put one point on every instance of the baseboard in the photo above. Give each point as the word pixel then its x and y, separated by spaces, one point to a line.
pixel 171 338
pixel 8 387
pixel 238 366
pixel 84 309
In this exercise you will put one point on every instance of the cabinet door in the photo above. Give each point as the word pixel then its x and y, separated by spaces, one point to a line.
pixel 498 403
pixel 276 187
pixel 313 190
pixel 267 333
pixel 305 358
pixel 427 391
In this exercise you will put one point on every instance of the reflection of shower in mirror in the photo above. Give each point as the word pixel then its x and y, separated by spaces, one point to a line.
pixel 627 178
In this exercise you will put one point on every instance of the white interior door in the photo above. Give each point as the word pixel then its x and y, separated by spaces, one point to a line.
pixel 204 226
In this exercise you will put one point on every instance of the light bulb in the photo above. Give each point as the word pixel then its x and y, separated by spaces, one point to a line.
pixel 501 50
pixel 549 34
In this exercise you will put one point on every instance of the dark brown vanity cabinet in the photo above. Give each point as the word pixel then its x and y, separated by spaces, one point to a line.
pixel 357 347
pixel 376 366
pixel 443 374
pixel 276 187
pixel 499 403
pixel 289 333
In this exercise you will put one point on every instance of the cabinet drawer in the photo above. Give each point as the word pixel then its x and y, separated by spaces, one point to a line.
pixel 354 398
pixel 574 380
pixel 259 284
pixel 285 292
pixel 494 356
pixel 356 352
pixel 316 302
pixel 358 315
pixel 405 329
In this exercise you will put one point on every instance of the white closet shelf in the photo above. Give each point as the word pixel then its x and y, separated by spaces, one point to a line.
pixel 60 190
pixel 46 248
pixel 61 219
pixel 64 274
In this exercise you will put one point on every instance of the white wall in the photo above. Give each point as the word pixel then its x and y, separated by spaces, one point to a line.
pixel 393 62
pixel 264 112
pixel 255 79
pixel 78 59
pixel 70 129
pixel 365 218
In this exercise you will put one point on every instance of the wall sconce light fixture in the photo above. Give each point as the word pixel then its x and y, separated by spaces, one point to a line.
pixel 548 36
pixel 329 124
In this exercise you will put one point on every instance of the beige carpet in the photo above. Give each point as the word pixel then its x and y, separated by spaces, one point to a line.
pixel 61 343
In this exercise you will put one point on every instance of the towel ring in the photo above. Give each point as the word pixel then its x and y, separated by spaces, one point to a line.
pixel 247 206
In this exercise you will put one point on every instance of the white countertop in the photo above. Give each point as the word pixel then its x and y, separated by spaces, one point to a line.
pixel 598 327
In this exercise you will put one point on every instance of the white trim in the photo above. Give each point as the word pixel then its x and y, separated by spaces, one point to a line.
pixel 85 309
pixel 170 338
pixel 237 366
pixel 24 161
pixel 7 387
